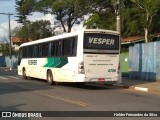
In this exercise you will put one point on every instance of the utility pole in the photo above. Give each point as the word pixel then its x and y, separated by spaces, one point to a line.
pixel 9 35
pixel 117 7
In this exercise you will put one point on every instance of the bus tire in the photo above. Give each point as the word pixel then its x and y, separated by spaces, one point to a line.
pixel 24 73
pixel 50 77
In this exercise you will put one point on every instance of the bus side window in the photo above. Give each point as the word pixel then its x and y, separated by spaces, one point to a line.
pixel 24 52
pixel 66 47
pixel 20 53
pixel 45 47
pixel 19 56
pixel 39 51
pixel 34 50
pixel 74 46
pixel 59 48
pixel 69 46
pixel 53 51
pixel 30 51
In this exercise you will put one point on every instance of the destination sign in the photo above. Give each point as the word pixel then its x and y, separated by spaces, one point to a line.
pixel 101 41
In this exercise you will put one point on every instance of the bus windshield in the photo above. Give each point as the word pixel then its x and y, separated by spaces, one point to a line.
pixel 101 41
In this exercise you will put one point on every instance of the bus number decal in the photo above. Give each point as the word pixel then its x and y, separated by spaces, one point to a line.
pixel 32 62
pixel 111 70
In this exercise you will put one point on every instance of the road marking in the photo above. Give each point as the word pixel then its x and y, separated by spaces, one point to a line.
pixel 55 97
pixel 4 78
pixel 13 77
pixel 65 99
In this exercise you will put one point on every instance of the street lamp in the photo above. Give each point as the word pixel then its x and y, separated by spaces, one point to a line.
pixel 9 35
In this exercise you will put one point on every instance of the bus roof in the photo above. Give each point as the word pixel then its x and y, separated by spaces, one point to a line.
pixel 66 35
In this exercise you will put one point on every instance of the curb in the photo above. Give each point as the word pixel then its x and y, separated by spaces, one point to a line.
pixel 8 70
pixel 143 89
pixel 137 88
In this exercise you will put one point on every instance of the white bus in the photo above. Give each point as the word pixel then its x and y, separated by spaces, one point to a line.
pixel 89 55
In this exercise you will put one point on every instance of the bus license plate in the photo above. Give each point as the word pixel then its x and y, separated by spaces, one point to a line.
pixel 101 79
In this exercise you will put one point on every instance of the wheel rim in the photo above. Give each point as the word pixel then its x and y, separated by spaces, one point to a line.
pixel 50 77
pixel 24 73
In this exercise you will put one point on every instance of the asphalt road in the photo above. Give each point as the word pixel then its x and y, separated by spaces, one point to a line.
pixel 17 94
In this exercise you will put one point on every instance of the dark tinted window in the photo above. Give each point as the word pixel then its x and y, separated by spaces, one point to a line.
pixel 56 48
pixel 65 47
pixel 24 52
pixel 101 41
pixel 20 53
pixel 69 46
pixel 59 48
pixel 30 51
pixel 45 49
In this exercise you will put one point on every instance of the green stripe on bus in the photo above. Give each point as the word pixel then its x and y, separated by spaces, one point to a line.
pixel 56 62
pixel 63 61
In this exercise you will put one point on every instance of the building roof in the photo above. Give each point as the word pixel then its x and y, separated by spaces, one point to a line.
pixel 136 39
pixel 133 39
pixel 17 40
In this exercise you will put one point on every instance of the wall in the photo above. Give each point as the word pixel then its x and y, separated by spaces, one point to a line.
pixel 5 61
pixel 125 63
pixel 144 61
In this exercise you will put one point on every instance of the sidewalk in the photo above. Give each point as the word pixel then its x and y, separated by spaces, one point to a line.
pixel 8 69
pixel 140 85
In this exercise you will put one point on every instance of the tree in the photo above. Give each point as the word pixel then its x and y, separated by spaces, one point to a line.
pixel 67 13
pixel 130 19
pixel 156 23
pixel 149 10
pixel 70 12
pixel 102 15
pixel 35 30
pixel 4 49
pixel 24 8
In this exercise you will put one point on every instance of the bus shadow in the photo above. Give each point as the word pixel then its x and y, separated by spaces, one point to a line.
pixel 90 86
pixel 23 86
pixel 87 86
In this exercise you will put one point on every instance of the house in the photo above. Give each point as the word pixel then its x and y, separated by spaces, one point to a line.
pixel 130 40
pixel 138 39
pixel 16 42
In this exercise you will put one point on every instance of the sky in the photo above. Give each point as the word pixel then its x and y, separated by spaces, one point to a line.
pixel 8 6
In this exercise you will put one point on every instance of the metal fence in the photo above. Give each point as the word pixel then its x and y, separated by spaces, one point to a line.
pixel 144 61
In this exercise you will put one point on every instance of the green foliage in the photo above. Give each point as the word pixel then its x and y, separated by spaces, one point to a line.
pixel 24 8
pixel 102 15
pixel 136 15
pixel 149 10
pixel 4 49
pixel 35 30
pixel 67 12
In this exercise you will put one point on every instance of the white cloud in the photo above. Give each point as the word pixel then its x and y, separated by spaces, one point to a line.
pixel 4 29
pixel 39 16
pixel 34 17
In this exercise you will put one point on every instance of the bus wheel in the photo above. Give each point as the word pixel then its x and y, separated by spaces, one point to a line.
pixel 24 73
pixel 50 78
